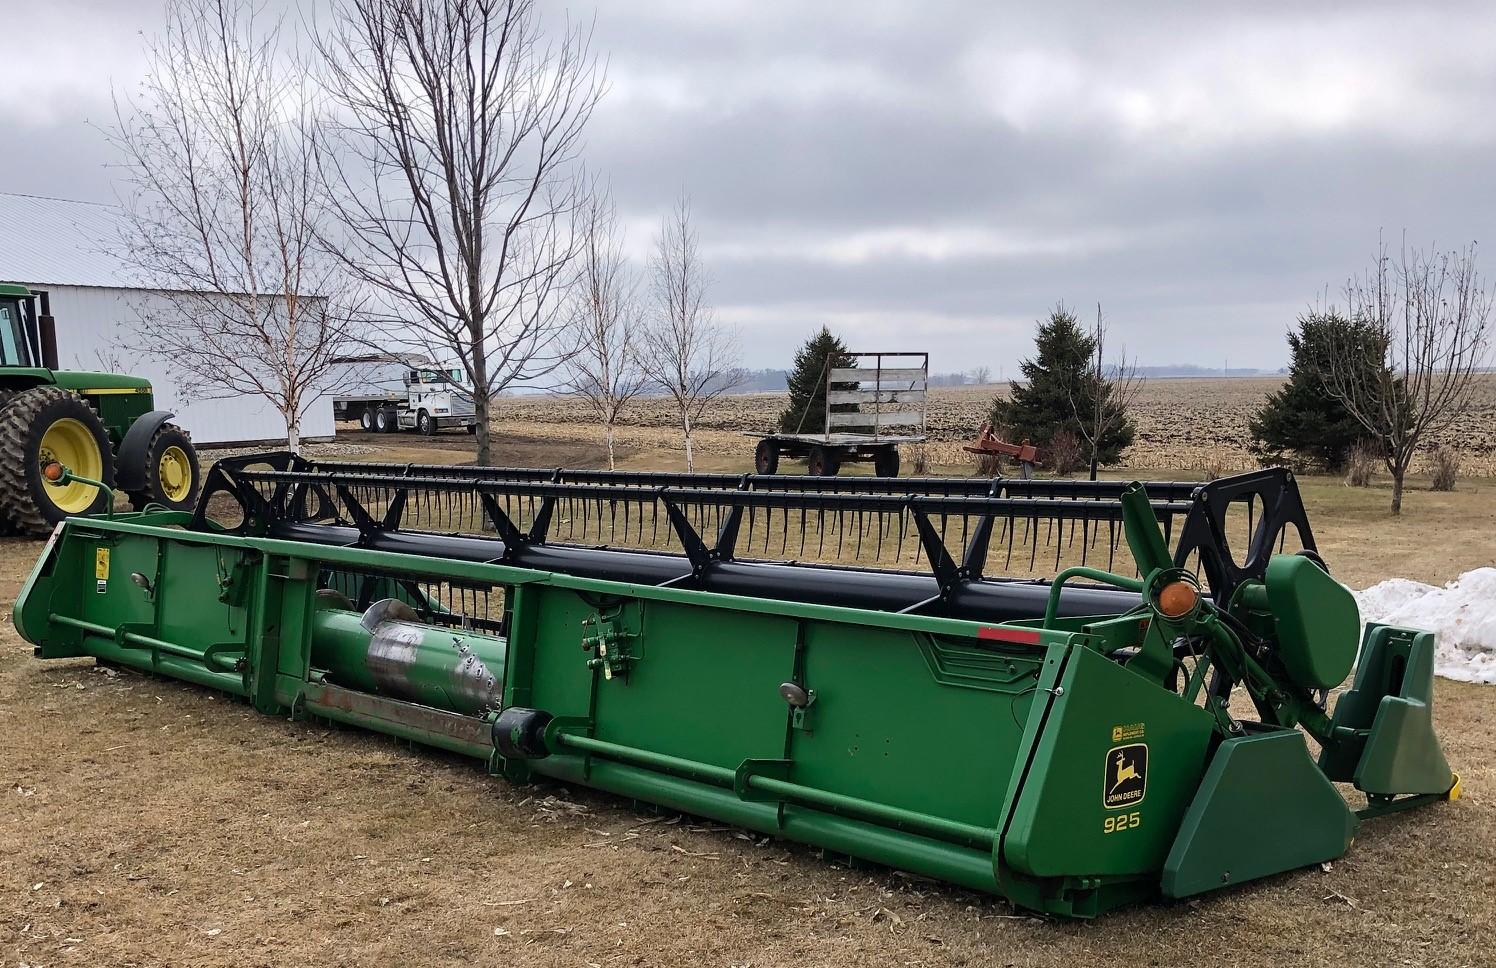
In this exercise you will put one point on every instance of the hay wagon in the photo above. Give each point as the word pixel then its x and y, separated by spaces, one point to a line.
pixel 871 408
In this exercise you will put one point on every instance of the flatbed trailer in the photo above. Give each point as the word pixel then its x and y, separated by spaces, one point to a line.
pixel 888 395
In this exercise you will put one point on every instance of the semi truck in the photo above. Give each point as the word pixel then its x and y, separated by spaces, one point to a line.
pixel 390 393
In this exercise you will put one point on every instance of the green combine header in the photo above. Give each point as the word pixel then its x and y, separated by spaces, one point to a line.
pixel 1134 727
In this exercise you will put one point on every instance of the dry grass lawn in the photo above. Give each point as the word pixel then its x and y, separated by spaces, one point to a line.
pixel 147 822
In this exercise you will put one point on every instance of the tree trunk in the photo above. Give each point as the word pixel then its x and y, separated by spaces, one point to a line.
pixel 481 396
pixel 608 433
pixel 685 420
pixel 485 441
pixel 293 435
pixel 1397 489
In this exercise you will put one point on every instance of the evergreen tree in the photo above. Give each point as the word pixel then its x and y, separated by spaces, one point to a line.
pixel 806 413
pixel 1302 418
pixel 1059 383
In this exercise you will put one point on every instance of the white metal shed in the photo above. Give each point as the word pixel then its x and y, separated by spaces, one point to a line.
pixel 65 247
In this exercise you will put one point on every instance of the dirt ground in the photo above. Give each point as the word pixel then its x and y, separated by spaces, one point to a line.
pixel 148 822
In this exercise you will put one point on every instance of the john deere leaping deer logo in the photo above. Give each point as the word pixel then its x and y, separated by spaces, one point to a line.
pixel 1126 776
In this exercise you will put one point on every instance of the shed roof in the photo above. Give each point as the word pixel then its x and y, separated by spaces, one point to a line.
pixel 55 241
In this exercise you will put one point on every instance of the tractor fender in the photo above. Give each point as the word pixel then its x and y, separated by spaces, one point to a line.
pixel 129 462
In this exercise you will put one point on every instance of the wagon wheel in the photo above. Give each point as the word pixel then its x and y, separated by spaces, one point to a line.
pixel 824 462
pixel 766 456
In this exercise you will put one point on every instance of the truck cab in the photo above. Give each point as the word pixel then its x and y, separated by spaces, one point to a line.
pixel 436 399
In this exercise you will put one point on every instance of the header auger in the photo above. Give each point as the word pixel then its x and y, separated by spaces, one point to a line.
pixel 1133 726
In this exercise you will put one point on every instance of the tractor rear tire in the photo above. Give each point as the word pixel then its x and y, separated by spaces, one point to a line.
pixel 6 528
pixel 38 426
pixel 766 457
pixel 886 462
pixel 823 462
pixel 171 471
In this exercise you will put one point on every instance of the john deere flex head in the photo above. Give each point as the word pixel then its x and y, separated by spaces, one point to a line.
pixel 1134 725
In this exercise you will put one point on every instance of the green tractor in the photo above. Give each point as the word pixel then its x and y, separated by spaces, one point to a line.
pixel 101 426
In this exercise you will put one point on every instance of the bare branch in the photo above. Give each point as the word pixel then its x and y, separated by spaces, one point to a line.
pixel 456 180
pixel 689 355
pixel 1105 394
pixel 604 368
pixel 1406 370
pixel 224 213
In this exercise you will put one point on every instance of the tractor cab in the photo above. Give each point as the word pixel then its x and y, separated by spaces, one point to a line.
pixel 28 338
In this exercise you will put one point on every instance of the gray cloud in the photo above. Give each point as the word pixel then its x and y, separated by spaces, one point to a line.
pixel 936 175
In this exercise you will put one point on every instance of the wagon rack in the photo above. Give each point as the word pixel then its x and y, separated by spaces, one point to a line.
pixel 888 395
pixel 1133 725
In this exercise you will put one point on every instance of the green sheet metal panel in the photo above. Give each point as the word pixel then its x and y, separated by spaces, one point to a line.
pixel 188 584
pixel 1111 773
pixel 701 684
pixel 549 649
pixel 925 723
pixel 1383 731
pixel 1317 621
pixel 1262 808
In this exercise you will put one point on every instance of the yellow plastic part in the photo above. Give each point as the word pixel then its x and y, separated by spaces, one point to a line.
pixel 69 442
pixel 1454 790
pixel 174 471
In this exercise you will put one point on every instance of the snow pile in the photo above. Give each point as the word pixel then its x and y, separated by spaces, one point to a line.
pixel 1462 615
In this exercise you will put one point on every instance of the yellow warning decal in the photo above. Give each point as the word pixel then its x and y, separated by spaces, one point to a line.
pixel 101 564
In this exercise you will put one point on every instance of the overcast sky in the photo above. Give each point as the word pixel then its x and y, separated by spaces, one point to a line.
pixel 935 175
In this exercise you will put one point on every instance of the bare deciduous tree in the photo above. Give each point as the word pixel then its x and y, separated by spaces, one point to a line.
pixel 980 375
pixel 225 213
pixel 605 368
pixel 688 353
pixel 1430 314
pixel 1101 402
pixel 456 175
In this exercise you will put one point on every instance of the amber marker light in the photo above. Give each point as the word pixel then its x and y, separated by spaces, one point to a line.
pixel 53 472
pixel 1177 599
